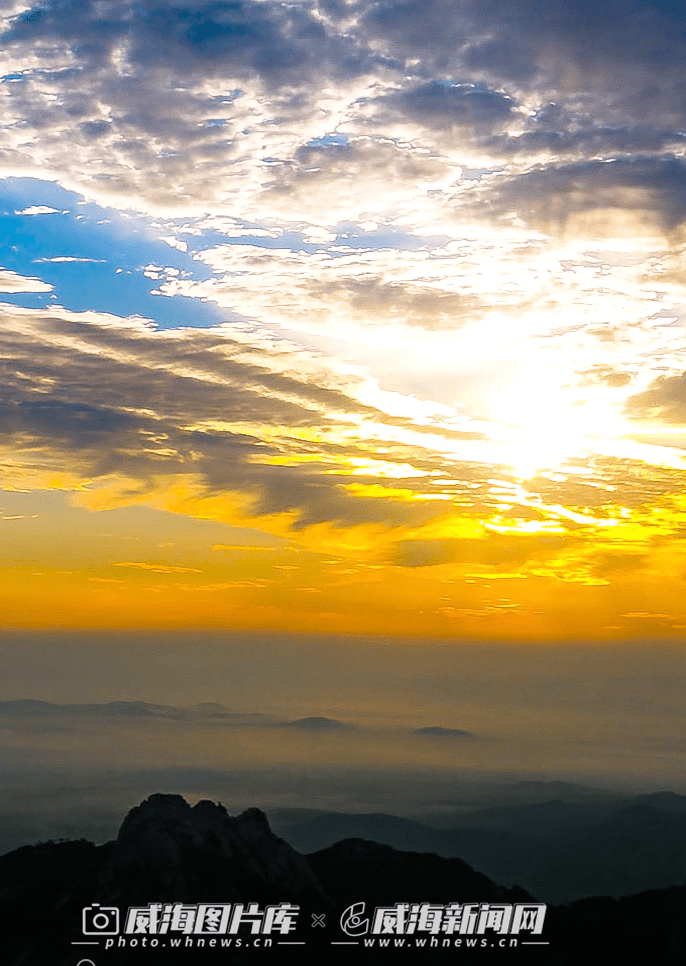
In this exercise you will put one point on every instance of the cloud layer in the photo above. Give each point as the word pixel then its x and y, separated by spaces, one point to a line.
pixel 448 241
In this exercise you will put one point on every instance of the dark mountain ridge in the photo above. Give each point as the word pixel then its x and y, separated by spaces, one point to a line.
pixel 559 851
pixel 63 901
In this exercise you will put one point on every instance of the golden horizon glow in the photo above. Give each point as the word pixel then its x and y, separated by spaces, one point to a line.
pixel 380 336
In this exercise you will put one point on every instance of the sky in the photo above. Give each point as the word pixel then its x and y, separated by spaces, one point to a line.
pixel 344 317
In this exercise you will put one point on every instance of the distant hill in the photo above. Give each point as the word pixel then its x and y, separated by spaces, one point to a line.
pixel 61 902
pixel 561 851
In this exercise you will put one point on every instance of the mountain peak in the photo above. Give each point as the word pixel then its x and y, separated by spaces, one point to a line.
pixel 162 802
pixel 167 848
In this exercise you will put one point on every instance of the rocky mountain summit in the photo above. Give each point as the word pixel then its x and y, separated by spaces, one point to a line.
pixel 166 852
pixel 177 853
pixel 62 903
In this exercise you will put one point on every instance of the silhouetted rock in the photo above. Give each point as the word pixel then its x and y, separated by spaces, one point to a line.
pixel 380 875
pixel 166 852
pixel 177 853
pixel 169 853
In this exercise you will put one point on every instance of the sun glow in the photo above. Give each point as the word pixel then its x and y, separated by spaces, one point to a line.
pixel 541 425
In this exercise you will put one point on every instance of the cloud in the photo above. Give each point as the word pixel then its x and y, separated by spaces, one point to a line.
pixel 229 407
pixel 563 141
pixel 163 101
pixel 69 258
pixel 629 56
pixel 492 550
pixel 12 282
pixel 597 198
pixel 441 105
pixel 241 421
pixel 265 39
pixel 614 564
pixel 348 291
pixel 317 114
pixel 444 108
pixel 368 176
pixel 37 210
pixel 608 376
pixel 460 273
pixel 157 568
pixel 664 401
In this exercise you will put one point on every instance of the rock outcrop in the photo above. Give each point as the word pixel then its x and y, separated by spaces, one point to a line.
pixel 168 851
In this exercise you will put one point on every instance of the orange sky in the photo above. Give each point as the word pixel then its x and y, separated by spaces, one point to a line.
pixel 355 329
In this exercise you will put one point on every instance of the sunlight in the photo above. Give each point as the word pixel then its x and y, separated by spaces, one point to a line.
pixel 543 424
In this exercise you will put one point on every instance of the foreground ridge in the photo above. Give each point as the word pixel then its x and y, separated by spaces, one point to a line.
pixel 176 872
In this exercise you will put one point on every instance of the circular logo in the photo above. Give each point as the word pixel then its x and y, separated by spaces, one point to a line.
pixel 352 922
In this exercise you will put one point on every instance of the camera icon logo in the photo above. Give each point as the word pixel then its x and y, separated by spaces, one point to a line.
pixel 100 920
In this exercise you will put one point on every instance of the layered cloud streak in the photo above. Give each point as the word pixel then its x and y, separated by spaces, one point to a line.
pixel 449 238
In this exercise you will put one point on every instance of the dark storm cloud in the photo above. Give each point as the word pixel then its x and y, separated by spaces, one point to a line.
pixel 665 401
